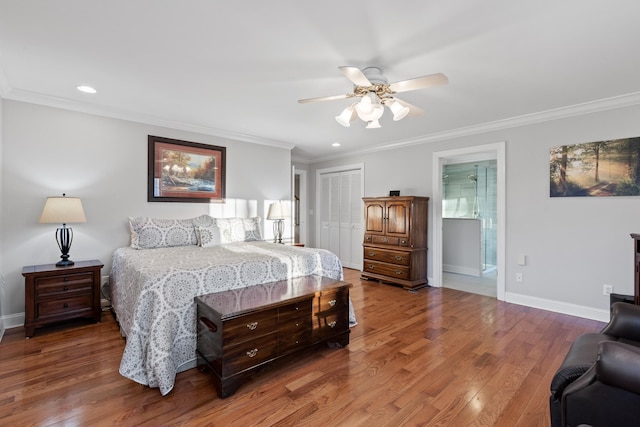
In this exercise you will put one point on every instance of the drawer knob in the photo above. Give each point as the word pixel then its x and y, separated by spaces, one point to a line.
pixel 332 302
pixel 252 353
pixel 372 254
pixel 398 272
pixel 65 305
pixel 252 326
pixel 66 288
pixel 371 267
pixel 332 324
pixel 399 258
pixel 66 279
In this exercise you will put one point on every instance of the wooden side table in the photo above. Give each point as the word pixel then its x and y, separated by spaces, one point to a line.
pixel 53 294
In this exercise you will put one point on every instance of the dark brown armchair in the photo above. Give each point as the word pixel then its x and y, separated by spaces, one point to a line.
pixel 598 383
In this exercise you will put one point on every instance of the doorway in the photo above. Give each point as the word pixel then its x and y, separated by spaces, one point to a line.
pixel 478 231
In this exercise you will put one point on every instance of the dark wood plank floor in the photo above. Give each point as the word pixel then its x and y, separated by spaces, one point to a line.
pixel 435 357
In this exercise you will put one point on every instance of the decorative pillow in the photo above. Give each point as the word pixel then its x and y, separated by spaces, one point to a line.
pixel 148 233
pixel 208 236
pixel 239 229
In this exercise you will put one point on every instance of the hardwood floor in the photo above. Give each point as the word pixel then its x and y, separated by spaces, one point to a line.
pixel 434 357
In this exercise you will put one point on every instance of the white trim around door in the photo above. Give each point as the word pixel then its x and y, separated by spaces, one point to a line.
pixel 463 155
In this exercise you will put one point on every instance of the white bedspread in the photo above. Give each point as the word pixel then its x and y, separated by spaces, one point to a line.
pixel 153 290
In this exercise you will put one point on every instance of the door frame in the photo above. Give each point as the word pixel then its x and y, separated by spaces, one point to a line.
pixel 304 212
pixel 466 155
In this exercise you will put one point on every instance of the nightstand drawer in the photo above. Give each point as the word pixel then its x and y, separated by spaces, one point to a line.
pixel 49 286
pixel 66 306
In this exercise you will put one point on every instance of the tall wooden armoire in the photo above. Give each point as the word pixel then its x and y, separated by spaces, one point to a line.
pixel 395 240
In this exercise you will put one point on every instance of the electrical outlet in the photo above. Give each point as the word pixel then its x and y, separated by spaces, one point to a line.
pixel 519 277
pixel 104 280
pixel 607 289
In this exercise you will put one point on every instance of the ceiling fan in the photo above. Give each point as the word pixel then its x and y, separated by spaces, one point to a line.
pixel 375 92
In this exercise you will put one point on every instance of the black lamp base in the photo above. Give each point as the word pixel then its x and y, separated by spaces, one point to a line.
pixel 64 263
pixel 64 237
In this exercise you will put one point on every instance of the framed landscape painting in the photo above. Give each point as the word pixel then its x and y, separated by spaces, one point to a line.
pixel 596 169
pixel 182 171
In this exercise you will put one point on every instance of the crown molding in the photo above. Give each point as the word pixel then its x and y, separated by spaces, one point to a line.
pixel 604 104
pixel 115 113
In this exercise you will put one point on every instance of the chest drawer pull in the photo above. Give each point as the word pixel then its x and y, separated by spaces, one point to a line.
pixel 332 324
pixel 371 266
pixel 372 254
pixel 252 326
pixel 398 272
pixel 332 303
pixel 66 305
pixel 209 324
pixel 252 353
pixel 399 258
pixel 384 239
pixel 66 288
pixel 66 279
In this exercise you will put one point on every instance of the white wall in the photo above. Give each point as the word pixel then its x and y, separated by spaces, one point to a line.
pixel 48 151
pixel 573 245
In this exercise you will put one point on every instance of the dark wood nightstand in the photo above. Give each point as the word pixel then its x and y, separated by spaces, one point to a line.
pixel 52 294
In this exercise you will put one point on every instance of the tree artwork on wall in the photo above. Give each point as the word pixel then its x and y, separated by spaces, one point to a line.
pixel 183 171
pixel 596 169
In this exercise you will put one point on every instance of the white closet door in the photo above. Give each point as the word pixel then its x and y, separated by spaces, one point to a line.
pixel 351 219
pixel 330 213
pixel 341 216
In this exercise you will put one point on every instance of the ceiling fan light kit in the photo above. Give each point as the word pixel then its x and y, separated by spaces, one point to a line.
pixel 376 92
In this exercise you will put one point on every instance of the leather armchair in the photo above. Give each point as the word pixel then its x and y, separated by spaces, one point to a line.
pixel 598 383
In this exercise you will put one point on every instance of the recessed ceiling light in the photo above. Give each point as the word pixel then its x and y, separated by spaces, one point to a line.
pixel 86 89
pixel 335 144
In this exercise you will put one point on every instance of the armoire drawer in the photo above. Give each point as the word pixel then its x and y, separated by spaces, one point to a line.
pixel 391 270
pixel 384 255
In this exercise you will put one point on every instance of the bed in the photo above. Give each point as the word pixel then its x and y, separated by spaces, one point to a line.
pixel 154 282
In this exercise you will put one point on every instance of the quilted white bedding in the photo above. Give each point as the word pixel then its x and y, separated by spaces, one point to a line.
pixel 153 289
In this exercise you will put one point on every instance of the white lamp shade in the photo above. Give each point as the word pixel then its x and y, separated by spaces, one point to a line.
pixel 62 210
pixel 369 109
pixel 373 125
pixel 278 210
pixel 345 117
pixel 399 112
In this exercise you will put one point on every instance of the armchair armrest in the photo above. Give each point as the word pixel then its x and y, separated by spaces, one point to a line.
pixel 625 321
pixel 619 365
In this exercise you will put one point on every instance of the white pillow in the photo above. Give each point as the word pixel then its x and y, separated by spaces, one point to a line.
pixel 208 236
pixel 239 229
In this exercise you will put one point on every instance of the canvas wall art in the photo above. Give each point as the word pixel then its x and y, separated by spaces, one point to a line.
pixel 596 169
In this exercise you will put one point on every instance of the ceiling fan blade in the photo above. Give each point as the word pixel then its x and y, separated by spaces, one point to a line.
pixel 413 110
pixel 419 83
pixel 355 75
pixel 324 98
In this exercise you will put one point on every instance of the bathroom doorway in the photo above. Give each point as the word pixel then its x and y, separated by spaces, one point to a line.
pixel 468 219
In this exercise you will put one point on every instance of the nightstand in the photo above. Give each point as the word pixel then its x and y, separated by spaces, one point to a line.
pixel 52 294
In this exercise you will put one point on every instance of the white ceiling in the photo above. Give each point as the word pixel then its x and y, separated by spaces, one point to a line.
pixel 237 68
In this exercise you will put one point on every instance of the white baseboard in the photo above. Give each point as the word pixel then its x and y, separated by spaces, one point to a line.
pixel 461 269
pixel 558 307
pixel 13 320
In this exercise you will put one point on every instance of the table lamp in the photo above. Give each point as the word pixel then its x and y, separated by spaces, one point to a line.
pixel 63 210
pixel 278 213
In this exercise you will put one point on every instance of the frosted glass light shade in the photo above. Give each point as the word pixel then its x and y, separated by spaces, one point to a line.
pixel 345 117
pixel 399 112
pixel 62 210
